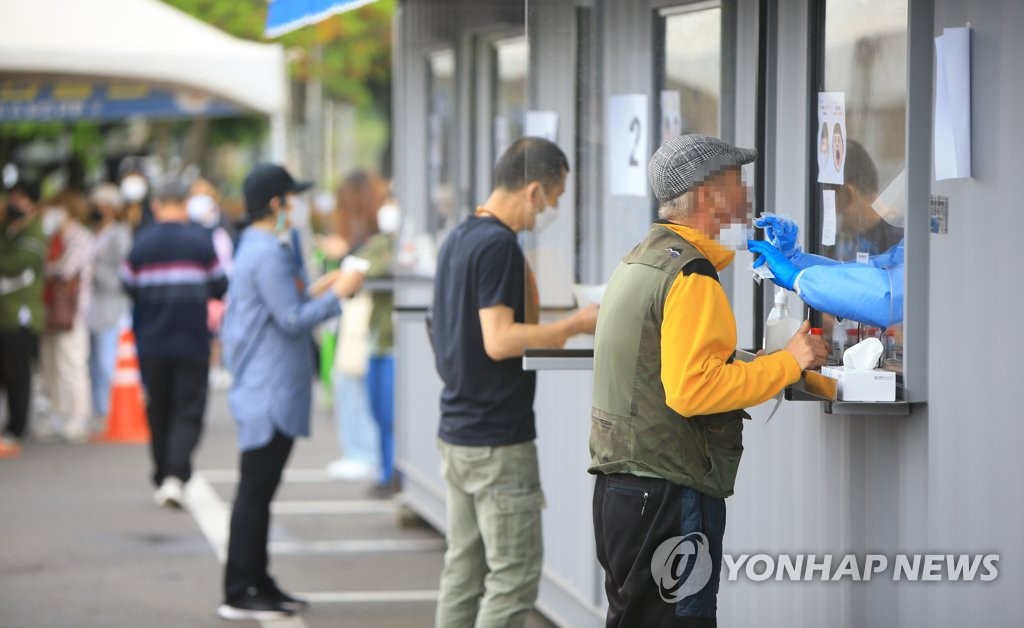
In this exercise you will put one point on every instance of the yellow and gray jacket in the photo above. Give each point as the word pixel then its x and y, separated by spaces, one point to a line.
pixel 668 398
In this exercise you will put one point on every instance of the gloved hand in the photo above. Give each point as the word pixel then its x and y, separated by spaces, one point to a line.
pixel 784 270
pixel 780 231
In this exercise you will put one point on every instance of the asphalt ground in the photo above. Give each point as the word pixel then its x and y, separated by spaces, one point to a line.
pixel 82 544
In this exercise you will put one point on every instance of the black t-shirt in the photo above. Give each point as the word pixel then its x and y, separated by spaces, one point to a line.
pixel 484 403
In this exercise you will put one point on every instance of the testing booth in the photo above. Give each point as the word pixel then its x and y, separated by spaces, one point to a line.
pixel 859 123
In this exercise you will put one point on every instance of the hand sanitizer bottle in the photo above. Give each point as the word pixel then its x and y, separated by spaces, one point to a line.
pixel 780 326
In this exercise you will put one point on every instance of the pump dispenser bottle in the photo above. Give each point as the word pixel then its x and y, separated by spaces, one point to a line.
pixel 780 325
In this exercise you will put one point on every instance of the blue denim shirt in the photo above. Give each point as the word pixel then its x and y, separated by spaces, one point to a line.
pixel 266 336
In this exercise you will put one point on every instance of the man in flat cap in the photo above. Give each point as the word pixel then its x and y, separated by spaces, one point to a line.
pixel 667 418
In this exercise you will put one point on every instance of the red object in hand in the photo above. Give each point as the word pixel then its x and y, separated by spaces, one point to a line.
pixel 816 331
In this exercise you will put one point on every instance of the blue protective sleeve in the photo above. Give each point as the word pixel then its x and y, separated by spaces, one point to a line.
pixel 856 291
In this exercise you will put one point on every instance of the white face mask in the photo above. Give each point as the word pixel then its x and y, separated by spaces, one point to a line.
pixel 203 210
pixel 53 220
pixel 389 218
pixel 134 188
pixel 547 215
pixel 734 236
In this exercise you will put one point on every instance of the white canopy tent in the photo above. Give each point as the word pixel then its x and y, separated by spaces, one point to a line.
pixel 144 40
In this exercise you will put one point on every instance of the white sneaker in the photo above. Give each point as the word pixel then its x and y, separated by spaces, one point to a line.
pixel 170 493
pixel 350 470
pixel 76 431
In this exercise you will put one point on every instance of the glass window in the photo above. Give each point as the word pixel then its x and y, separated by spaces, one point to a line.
pixel 859 148
pixel 689 71
pixel 441 133
pixel 511 67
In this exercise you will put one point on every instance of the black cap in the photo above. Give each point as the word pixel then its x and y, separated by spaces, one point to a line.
pixel 267 181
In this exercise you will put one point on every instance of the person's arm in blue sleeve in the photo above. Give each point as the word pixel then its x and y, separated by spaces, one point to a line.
pixel 856 291
pixel 291 312
pixel 860 292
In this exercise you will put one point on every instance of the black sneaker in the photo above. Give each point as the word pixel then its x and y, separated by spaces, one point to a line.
pixel 254 605
pixel 274 593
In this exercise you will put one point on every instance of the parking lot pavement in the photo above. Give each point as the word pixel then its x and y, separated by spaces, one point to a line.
pixel 84 545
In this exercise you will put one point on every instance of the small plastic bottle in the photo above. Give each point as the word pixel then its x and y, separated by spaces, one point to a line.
pixel 889 342
pixel 780 326
pixel 838 341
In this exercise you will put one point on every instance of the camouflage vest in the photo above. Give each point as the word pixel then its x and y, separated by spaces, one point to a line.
pixel 632 428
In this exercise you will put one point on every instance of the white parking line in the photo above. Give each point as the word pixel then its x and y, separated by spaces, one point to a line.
pixel 305 476
pixel 213 516
pixel 350 597
pixel 356 547
pixel 214 519
pixel 332 507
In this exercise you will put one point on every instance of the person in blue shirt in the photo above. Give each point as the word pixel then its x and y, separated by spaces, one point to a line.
pixel 267 348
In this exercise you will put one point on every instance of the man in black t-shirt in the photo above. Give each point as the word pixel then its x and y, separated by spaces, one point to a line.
pixel 484 316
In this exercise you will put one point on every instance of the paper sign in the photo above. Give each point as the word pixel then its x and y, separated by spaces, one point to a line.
pixel 828 222
pixel 671 116
pixel 831 137
pixel 863 257
pixel 541 124
pixel 952 135
pixel 502 136
pixel 627 145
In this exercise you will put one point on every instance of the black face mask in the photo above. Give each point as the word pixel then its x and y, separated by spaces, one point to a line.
pixel 95 215
pixel 14 212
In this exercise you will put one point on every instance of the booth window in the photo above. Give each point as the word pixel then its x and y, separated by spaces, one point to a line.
pixel 440 138
pixel 688 70
pixel 511 69
pixel 858 151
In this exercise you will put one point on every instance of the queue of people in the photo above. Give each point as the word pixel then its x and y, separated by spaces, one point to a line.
pixel 668 404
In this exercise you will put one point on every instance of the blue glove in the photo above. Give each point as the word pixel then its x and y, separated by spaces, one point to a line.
pixel 784 270
pixel 780 231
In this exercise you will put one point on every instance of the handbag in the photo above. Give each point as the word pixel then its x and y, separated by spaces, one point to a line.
pixel 352 355
pixel 62 304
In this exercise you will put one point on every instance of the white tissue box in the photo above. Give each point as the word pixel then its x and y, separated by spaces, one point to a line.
pixel 873 385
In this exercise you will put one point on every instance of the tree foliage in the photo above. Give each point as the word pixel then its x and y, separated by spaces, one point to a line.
pixel 356 63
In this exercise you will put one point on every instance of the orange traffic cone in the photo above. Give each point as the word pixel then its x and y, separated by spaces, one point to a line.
pixel 127 421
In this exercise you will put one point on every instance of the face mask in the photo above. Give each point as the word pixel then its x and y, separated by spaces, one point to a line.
pixel 282 223
pixel 389 218
pixel 134 188
pixel 95 215
pixel 734 236
pixel 202 209
pixel 545 216
pixel 53 220
pixel 14 212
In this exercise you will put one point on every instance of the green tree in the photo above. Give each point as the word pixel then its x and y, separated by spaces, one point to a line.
pixel 356 65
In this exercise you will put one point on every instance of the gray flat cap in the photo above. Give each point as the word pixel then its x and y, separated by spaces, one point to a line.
pixel 685 161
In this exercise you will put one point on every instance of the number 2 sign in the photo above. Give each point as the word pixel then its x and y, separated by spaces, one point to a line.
pixel 627 145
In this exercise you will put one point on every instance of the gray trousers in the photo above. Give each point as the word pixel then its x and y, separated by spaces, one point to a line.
pixel 492 567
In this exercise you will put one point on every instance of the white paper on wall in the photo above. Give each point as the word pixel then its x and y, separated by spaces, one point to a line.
pixel 627 144
pixel 952 134
pixel 831 137
pixel 671 115
pixel 541 124
pixel 828 222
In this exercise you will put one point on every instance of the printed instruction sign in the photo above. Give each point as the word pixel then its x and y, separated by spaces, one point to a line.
pixel 831 136
pixel 671 116
pixel 627 144
pixel 952 127
pixel 541 124
pixel 828 222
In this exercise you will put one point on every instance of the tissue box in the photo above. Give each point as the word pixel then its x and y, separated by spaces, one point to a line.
pixel 873 385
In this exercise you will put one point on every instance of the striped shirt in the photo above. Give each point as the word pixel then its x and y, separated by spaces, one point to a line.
pixel 170 274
